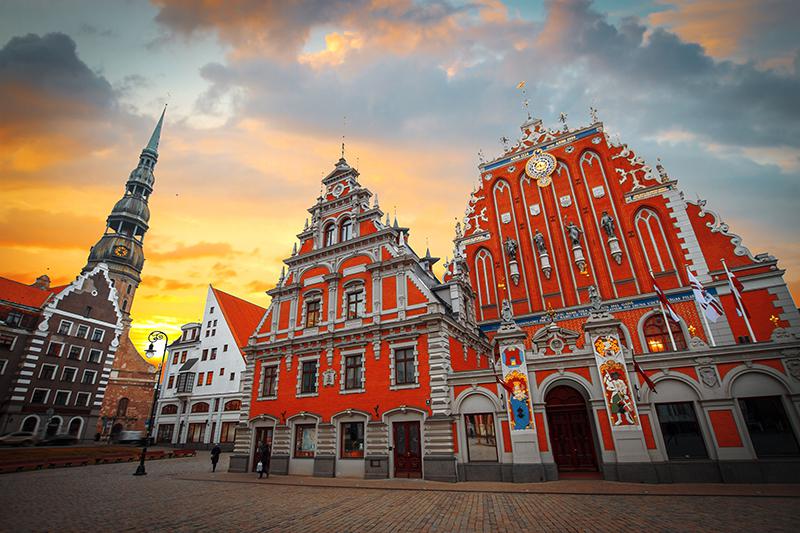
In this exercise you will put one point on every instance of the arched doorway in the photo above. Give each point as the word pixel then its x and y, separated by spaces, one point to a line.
pixel 75 427
pixel 29 424
pixel 115 431
pixel 570 430
pixel 53 426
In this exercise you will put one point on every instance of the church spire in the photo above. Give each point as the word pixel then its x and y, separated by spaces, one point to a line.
pixel 152 146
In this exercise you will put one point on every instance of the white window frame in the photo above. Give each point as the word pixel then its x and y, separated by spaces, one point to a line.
pixel 46 395
pixel 300 361
pixel 3 365
pixel 63 370
pixel 400 346
pixel 80 355
pixel 343 371
pixel 88 399
pixel 314 295
pixel 94 379
pixel 66 402
pixel 353 287
pixel 277 366
pixel 55 371
pixel 60 352
pixel 89 356
pixel 69 327
pixel 102 334
pixel 78 329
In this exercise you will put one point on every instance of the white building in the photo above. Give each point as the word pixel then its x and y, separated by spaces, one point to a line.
pixel 200 402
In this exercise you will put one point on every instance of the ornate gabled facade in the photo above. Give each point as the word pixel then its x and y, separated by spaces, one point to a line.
pixel 562 241
pixel 347 372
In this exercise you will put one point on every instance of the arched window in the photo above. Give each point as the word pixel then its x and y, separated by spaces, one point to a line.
pixel 484 273
pixel 656 335
pixel 200 407
pixel 169 409
pixel 75 426
pixel 29 424
pixel 653 241
pixel 122 407
pixel 346 230
pixel 330 234
pixel 233 405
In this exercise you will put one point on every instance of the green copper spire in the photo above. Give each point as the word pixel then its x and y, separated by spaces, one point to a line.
pixel 153 144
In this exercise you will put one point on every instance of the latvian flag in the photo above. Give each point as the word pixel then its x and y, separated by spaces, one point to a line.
pixel 712 307
pixel 736 289
pixel 664 302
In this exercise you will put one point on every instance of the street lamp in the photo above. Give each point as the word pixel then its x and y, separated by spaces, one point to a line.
pixel 153 337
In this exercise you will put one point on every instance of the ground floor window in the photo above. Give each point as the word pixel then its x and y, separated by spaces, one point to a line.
pixel 682 436
pixel 481 439
pixel 29 424
pixel 75 426
pixel 228 432
pixel 196 432
pixel 165 432
pixel 769 427
pixel 305 440
pixel 353 439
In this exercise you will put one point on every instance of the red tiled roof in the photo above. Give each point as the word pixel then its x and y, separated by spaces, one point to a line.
pixel 21 294
pixel 242 316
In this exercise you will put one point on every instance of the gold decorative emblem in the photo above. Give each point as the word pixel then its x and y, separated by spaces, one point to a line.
pixel 540 166
pixel 120 251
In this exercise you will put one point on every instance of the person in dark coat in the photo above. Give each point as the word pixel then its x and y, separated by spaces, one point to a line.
pixel 215 451
pixel 263 458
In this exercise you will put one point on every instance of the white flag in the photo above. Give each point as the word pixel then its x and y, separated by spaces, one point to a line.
pixel 712 307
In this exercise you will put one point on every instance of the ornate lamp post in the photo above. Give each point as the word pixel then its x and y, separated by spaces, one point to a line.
pixel 153 337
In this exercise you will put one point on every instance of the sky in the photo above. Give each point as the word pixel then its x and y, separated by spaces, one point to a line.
pixel 261 93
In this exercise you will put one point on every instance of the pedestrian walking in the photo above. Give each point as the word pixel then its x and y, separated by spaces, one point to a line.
pixel 215 451
pixel 263 460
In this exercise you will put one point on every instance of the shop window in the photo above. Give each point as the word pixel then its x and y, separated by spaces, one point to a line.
pixel 481 438
pixel 657 337
pixel 681 431
pixel 769 427
pixel 305 440
pixel 165 432
pixel 196 432
pixel 352 440
pixel 228 432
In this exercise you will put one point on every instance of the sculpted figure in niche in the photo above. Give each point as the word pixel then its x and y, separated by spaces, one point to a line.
pixel 574 233
pixel 538 241
pixel 608 224
pixel 511 247
pixel 506 313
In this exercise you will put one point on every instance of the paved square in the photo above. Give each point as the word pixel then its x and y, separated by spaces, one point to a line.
pixel 109 498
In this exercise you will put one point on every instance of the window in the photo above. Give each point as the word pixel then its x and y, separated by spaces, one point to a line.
pixel 308 383
pixel 657 337
pixel 312 313
pixel 122 407
pixel 352 372
pixel 169 409
pixel 69 374
pixel 211 311
pixel 55 348
pixel 82 399
pixel 215 323
pixel 768 425
pixel 196 432
pixel 200 407
pixel 83 331
pixel 205 354
pixel 39 395
pixel 404 372
pixel 346 230
pixel 8 341
pixel 209 377
pixel 213 353
pixel 209 324
pixel 3 364
pixel 481 439
pixel 200 378
pixel 228 432
pixel 222 371
pixel 305 440
pixel 48 372
pixel 75 352
pixel 14 318
pixel 95 355
pixel 89 376
pixel 185 382
pixel 97 335
pixel 183 357
pixel 682 436
pixel 233 405
pixel 164 433
pixel 225 348
pixel 233 376
pixel 270 384
pixel 352 440
pixel 170 382
pixel 330 234
pixel 62 397
pixel 355 300
pixel 64 327
pixel 175 356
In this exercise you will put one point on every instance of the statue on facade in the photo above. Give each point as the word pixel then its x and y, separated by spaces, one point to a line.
pixel 459 231
pixel 506 313
pixel 594 297
pixel 608 225
pixel 511 247
pixel 538 241
pixel 574 233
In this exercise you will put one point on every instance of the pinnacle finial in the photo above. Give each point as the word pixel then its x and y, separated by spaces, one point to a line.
pixel 152 145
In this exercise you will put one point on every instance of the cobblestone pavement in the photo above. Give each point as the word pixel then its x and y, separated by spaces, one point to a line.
pixel 177 496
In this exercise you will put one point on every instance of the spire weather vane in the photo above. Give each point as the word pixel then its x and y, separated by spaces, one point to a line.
pixel 525 102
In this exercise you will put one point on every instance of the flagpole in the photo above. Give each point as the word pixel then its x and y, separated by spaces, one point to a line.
pixel 705 318
pixel 666 320
pixel 739 302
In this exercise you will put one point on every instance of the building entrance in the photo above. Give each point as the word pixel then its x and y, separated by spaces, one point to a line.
pixel 407 452
pixel 570 430
pixel 263 435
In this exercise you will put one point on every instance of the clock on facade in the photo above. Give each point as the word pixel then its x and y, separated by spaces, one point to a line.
pixel 120 251
pixel 540 166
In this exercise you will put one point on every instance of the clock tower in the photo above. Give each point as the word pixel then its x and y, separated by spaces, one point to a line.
pixel 121 246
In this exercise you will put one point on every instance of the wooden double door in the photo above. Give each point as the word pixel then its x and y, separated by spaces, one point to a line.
pixel 407 450
pixel 570 431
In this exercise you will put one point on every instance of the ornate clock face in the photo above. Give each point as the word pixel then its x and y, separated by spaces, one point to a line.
pixel 540 166
pixel 120 251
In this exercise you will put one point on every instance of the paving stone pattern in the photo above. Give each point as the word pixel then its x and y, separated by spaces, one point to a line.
pixel 109 498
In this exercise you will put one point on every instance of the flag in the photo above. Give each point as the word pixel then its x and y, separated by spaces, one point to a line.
pixel 521 85
pixel 644 376
pixel 664 302
pixel 712 307
pixel 736 289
